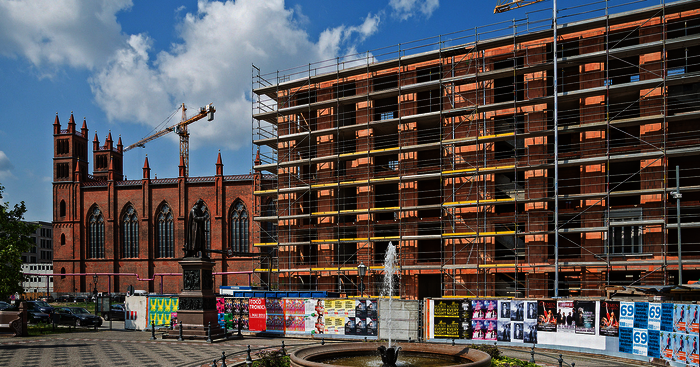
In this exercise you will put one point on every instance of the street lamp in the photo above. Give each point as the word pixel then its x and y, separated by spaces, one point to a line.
pixel 94 291
pixel 362 270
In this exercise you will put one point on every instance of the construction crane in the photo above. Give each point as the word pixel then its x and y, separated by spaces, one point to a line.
pixel 505 5
pixel 181 129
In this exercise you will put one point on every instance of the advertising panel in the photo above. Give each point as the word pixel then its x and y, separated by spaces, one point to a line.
pixel 546 318
pixel 585 317
pixel 609 322
pixel 257 314
pixel 565 317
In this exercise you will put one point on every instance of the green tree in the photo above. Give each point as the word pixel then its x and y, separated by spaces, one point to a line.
pixel 14 240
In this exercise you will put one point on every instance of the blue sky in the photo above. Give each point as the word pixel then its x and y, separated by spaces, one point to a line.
pixel 126 65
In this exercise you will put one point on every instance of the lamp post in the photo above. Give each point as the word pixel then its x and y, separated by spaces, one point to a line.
pixel 362 270
pixel 94 291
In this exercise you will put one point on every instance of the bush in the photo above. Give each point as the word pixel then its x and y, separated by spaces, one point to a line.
pixel 504 361
pixel 271 358
pixel 491 350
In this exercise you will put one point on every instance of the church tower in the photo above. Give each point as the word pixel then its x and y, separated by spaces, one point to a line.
pixel 106 156
pixel 70 152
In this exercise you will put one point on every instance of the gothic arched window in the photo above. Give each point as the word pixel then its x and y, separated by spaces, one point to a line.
pixel 96 234
pixel 130 233
pixel 239 227
pixel 62 208
pixel 164 232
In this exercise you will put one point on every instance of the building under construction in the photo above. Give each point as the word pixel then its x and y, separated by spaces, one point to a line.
pixel 457 150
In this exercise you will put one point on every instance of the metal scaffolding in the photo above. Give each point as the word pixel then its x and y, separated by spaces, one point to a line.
pixel 445 147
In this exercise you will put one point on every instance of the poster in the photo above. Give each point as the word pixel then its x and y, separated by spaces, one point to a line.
pixel 609 323
pixel 503 332
pixel 680 345
pixel 679 311
pixel 654 316
pixel 235 311
pixel 447 323
pixel 565 317
pixel 640 338
pixel 466 319
pixel 530 331
pixel 666 346
pixel 627 314
pixel 625 340
pixel 693 350
pixel 653 344
pixel 546 318
pixel 585 317
pixel 484 329
pixel 257 314
pixel 517 310
pixel 319 317
pixel 667 317
pixel 691 321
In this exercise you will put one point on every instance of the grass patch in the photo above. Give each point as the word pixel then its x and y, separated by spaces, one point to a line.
pixel 48 329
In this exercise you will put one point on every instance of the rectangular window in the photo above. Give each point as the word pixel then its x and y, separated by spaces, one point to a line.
pixel 625 232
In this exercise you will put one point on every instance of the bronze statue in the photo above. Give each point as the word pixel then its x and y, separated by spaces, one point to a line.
pixel 196 236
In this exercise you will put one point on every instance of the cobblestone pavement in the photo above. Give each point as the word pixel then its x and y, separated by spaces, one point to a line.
pixel 121 348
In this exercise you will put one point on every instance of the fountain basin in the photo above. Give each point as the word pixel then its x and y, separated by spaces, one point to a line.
pixel 321 356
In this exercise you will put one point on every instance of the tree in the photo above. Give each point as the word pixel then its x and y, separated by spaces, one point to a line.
pixel 14 240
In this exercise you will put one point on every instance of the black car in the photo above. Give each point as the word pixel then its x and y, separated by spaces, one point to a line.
pixel 76 316
pixel 64 298
pixel 4 305
pixel 34 316
pixel 116 312
pixel 81 299
pixel 40 306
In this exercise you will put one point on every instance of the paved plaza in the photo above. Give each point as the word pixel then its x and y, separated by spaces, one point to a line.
pixel 123 348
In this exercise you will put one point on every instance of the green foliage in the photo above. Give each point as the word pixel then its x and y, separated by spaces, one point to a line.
pixel 491 350
pixel 504 361
pixel 14 240
pixel 271 358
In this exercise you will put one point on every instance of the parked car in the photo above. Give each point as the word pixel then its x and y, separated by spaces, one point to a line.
pixel 116 312
pixel 40 306
pixel 82 299
pixel 48 299
pixel 64 298
pixel 4 305
pixel 76 316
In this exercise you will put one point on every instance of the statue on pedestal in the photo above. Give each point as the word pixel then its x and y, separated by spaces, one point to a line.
pixel 196 239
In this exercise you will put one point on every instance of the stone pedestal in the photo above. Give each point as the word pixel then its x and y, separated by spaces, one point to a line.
pixel 197 302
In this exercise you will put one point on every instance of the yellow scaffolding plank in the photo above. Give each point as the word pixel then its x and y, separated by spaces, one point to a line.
pixel 265 244
pixel 497 265
pixel 503 233
pixel 476 202
pixel 485 169
pixel 324 185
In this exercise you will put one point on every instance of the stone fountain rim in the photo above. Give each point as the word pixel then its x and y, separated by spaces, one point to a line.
pixel 300 357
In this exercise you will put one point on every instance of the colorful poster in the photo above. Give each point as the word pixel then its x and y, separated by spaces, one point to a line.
pixel 627 314
pixel 679 311
pixel 654 316
pixel 546 318
pixel 319 317
pixel 585 317
pixel 692 319
pixel 693 350
pixel 680 345
pixel 484 329
pixel 517 310
pixel 609 323
pixel 666 346
pixel 257 314
pixel 565 317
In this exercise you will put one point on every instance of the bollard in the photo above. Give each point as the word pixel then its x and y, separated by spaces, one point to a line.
pixel 561 360
pixel 248 360
pixel 180 338
pixel 532 354
pixel 284 351
pixel 323 341
pixel 240 325
pixel 209 332
pixel 213 363
pixel 153 330
pixel 223 359
pixel 453 342
pixel 573 364
pixel 171 324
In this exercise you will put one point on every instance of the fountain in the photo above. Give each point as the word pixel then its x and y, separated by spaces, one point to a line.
pixel 412 355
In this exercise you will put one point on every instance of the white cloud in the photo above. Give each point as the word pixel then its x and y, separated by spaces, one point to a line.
pixel 212 61
pixel 404 9
pixel 53 33
pixel 5 166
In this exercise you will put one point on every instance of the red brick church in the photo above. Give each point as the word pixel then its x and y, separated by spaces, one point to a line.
pixel 131 232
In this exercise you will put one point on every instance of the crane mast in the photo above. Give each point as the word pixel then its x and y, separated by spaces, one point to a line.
pixel 181 129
